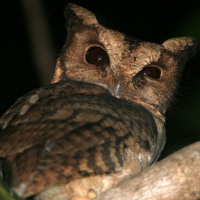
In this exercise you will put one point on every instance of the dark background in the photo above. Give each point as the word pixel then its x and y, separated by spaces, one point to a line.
pixel 153 21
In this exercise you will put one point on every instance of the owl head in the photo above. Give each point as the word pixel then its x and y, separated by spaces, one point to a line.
pixel 131 69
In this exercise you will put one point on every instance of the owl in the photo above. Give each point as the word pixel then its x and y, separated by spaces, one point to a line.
pixel 102 118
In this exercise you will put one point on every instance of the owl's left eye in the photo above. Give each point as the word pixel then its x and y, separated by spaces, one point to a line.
pixel 151 72
pixel 97 56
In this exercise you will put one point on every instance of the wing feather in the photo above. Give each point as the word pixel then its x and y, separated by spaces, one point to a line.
pixel 49 138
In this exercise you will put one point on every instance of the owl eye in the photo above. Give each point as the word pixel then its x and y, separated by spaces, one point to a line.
pixel 97 56
pixel 151 72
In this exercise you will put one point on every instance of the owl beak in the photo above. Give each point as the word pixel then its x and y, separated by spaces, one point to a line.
pixel 116 89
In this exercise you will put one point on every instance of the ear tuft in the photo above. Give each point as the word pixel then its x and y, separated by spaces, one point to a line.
pixel 77 15
pixel 182 46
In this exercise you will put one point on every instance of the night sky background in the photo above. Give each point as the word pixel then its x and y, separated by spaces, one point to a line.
pixel 153 21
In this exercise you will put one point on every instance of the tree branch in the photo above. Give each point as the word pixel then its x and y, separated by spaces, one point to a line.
pixel 41 42
pixel 176 177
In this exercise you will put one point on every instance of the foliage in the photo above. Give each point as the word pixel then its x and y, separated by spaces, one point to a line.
pixel 6 193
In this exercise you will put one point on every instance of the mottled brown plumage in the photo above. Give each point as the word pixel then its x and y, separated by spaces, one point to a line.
pixel 99 121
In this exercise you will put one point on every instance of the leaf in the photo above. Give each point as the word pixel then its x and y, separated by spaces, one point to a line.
pixel 6 193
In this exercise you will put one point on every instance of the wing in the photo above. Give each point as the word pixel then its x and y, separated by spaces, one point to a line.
pixel 70 130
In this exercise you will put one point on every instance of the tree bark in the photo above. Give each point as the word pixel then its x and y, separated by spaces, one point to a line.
pixel 176 177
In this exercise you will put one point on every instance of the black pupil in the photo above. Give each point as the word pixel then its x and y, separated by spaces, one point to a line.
pixel 151 72
pixel 97 56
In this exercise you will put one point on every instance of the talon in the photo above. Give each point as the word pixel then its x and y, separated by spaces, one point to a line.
pixel 91 193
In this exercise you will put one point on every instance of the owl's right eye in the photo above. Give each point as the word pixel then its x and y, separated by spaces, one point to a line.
pixel 97 56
